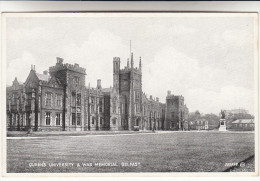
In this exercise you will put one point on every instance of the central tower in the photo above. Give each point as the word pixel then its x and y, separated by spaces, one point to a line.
pixel 127 83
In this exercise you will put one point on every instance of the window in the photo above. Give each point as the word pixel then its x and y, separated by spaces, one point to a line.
pixel 240 125
pixel 137 95
pixel 73 119
pixel 101 120
pixel 48 97
pixel 39 102
pixel 92 108
pixel 48 118
pixel 28 99
pixel 122 109
pixel 58 100
pixel 245 125
pixel 58 119
pixel 73 99
pixel 100 105
pixel 14 99
pixel 114 107
pixel 76 80
pixel 93 120
pixel 125 82
pixel 114 121
pixel 78 99
pixel 78 118
pixel 137 108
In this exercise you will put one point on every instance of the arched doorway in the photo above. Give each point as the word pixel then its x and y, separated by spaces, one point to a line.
pixel 114 121
pixel 138 122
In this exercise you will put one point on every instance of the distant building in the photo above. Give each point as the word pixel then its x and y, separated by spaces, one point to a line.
pixel 243 125
pixel 200 124
pixel 58 99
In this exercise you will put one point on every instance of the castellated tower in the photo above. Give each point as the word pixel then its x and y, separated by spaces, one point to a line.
pixel 127 83
pixel 175 112
pixel 72 78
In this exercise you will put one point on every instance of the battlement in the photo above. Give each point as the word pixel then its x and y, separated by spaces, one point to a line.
pixel 60 66
pixel 116 59
pixel 172 96
pixel 128 69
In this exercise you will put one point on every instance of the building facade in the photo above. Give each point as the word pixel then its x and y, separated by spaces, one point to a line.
pixel 59 100
pixel 200 124
pixel 243 125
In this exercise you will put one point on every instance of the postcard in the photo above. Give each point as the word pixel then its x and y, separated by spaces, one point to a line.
pixel 130 93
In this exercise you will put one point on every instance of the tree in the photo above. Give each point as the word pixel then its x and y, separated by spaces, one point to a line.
pixel 194 116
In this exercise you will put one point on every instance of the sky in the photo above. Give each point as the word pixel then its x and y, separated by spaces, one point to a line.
pixel 209 60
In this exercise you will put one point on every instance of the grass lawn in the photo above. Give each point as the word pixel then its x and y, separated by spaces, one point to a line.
pixel 158 152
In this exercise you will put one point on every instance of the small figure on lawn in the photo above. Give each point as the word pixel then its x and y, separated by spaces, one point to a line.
pixel 29 132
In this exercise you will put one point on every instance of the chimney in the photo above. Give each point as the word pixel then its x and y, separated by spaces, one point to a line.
pixel 151 97
pixel 99 83
pixel 169 93
pixel 45 72
pixel 33 67
pixel 157 99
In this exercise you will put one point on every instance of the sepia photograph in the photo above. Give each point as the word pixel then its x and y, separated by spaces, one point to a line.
pixel 109 92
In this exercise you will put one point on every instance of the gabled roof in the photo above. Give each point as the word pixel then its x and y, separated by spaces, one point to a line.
pixel 244 121
pixel 31 77
pixel 15 86
pixel 53 82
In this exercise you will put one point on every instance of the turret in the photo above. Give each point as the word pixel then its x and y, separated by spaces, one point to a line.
pixel 132 61
pixel 116 65
pixel 116 71
pixel 140 64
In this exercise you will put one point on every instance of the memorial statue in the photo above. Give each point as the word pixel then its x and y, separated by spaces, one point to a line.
pixel 222 114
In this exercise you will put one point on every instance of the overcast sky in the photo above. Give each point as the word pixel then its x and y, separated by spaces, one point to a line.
pixel 208 60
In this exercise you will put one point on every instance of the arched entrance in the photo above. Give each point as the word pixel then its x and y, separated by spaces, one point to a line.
pixel 138 122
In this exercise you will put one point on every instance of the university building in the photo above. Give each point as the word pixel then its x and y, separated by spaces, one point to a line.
pixel 59 99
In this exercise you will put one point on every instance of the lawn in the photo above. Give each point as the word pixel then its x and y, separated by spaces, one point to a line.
pixel 158 152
